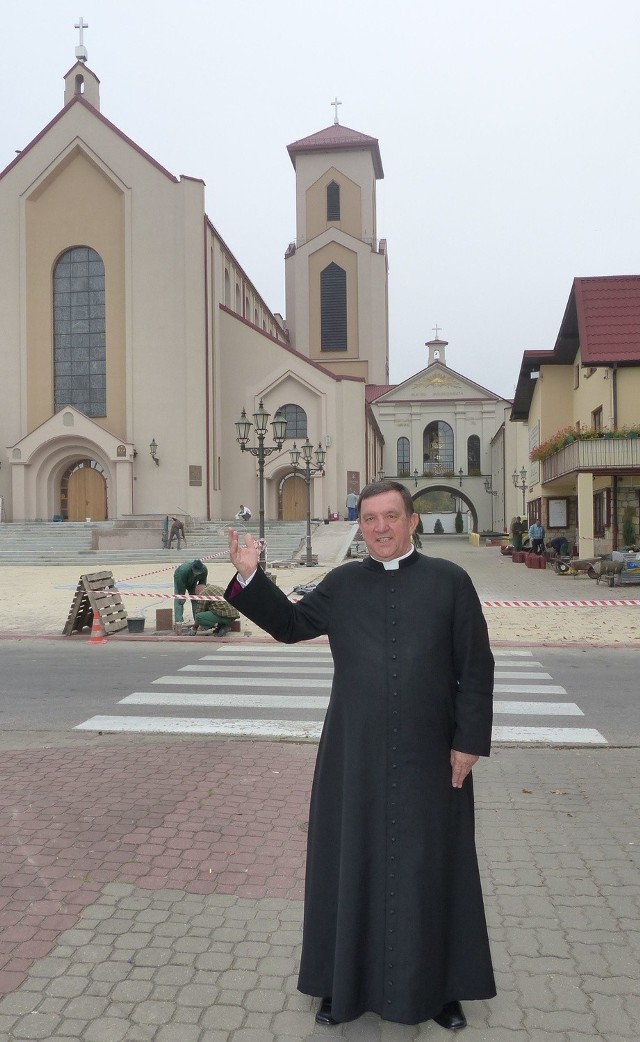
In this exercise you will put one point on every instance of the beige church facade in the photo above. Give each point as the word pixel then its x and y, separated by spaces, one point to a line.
pixel 132 337
pixel 441 433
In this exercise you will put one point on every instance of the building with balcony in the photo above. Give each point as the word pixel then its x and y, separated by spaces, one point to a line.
pixel 581 402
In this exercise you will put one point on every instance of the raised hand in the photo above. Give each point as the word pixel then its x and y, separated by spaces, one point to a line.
pixel 244 556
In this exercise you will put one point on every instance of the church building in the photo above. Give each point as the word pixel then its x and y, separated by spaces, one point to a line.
pixel 132 338
pixel 133 341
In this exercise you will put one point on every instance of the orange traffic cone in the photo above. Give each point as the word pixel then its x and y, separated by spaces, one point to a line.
pixel 97 635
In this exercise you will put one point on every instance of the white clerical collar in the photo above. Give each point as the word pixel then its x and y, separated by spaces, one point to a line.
pixel 392 566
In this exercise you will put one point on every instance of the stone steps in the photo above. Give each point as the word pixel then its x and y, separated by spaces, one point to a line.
pixel 64 543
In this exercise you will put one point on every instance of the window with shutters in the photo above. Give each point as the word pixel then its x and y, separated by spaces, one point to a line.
pixel 333 308
pixel 79 344
pixel 333 201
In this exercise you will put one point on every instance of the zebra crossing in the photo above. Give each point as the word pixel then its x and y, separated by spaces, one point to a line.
pixel 276 692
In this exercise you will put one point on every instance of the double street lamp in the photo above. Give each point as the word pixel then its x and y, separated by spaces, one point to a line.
pixel 522 485
pixel 261 451
pixel 308 470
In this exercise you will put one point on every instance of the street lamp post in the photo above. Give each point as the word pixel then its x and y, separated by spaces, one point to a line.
pixel 488 487
pixel 310 470
pixel 261 451
pixel 522 485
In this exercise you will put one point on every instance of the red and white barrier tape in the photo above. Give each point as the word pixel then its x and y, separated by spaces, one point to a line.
pixel 173 565
pixel 562 604
pixel 627 603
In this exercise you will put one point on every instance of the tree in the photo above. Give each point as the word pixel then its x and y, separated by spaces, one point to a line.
pixel 459 522
pixel 437 528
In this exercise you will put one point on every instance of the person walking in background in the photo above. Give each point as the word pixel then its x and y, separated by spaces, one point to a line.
pixel 185 579
pixel 536 535
pixel 351 505
pixel 393 918
pixel 176 532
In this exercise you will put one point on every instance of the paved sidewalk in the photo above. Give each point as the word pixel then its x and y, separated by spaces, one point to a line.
pixel 152 890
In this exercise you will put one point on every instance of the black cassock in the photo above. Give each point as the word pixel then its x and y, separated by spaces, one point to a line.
pixel 394 919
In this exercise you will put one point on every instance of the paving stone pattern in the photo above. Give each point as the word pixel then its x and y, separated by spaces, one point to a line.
pixel 152 890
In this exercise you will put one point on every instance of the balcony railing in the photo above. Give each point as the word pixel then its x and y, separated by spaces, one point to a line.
pixel 437 468
pixel 598 454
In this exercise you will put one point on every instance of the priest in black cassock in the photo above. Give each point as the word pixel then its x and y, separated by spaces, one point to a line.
pixel 394 920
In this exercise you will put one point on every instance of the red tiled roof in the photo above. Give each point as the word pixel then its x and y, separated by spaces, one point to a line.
pixel 337 138
pixel 373 391
pixel 601 320
pixel 608 314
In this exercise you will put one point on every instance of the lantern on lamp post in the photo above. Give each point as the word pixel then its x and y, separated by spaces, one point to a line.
pixel 261 452
pixel 310 468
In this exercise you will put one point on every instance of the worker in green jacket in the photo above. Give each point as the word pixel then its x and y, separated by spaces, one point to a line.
pixel 185 579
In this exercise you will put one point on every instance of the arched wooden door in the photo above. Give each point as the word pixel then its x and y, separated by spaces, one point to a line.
pixel 87 495
pixel 293 499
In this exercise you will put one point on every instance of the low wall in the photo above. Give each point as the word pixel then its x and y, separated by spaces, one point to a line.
pixel 123 538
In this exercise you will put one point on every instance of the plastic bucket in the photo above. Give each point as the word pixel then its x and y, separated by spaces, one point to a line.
pixel 135 625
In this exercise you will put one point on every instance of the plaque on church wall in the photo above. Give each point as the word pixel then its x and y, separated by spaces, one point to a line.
pixel 353 481
pixel 121 451
pixel 195 475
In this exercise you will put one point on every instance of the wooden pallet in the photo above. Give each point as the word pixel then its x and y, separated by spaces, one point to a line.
pixel 96 594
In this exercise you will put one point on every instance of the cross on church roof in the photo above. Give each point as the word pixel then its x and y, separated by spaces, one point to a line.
pixel 436 329
pixel 81 50
pixel 335 104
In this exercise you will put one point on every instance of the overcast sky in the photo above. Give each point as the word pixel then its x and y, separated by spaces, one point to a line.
pixel 509 135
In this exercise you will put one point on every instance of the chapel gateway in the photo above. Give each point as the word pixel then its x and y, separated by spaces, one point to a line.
pixel 132 337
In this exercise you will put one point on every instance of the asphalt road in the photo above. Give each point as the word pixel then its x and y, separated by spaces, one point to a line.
pixel 49 687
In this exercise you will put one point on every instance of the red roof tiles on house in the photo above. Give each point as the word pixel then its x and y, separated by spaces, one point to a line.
pixel 337 138
pixel 608 312
pixel 601 320
pixel 373 391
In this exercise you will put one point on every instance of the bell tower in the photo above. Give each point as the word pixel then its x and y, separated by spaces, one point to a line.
pixel 336 270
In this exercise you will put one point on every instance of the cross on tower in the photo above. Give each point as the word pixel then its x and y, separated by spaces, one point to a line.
pixel 81 50
pixel 335 104
pixel 436 330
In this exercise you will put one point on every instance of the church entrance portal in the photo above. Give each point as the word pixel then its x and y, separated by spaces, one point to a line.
pixel 83 492
pixel 293 499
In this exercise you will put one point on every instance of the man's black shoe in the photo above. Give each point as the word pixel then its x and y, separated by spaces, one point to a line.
pixel 222 630
pixel 323 1016
pixel 451 1016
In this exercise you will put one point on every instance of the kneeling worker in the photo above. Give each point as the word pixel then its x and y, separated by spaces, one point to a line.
pixel 185 579
pixel 216 614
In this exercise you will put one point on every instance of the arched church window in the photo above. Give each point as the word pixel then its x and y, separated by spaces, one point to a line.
pixel 296 419
pixel 333 308
pixel 333 201
pixel 238 299
pixel 473 455
pixel 79 344
pixel 437 448
pixel 402 457
pixel 227 288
